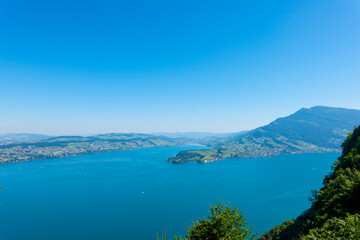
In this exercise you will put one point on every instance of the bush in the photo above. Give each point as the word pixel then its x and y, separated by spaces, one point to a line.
pixel 222 223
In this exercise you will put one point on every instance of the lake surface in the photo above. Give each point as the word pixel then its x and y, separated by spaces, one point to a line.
pixel 131 195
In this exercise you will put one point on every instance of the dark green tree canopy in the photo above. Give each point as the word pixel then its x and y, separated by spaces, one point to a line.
pixel 336 206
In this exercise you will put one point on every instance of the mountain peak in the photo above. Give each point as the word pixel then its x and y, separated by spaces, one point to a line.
pixel 315 129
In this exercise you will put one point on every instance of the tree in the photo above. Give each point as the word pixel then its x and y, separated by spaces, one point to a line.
pixel 337 228
pixel 222 223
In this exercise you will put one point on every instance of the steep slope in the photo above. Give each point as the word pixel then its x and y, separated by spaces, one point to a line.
pixel 321 126
pixel 318 129
pixel 335 209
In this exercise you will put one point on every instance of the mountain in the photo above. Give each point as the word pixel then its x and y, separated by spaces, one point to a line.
pixel 16 137
pixel 65 146
pixel 309 130
pixel 317 129
pixel 196 135
pixel 321 126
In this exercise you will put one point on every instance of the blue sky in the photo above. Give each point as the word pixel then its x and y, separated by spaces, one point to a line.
pixel 84 67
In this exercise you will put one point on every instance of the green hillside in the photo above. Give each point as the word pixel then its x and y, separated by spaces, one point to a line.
pixel 317 129
pixel 335 209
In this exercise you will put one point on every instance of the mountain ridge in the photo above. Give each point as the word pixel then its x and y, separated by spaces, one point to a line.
pixel 16 137
pixel 308 130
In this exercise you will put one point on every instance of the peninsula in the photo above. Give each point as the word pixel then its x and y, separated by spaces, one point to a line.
pixel 309 130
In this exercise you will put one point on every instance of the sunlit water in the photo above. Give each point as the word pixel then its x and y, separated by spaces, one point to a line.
pixel 131 195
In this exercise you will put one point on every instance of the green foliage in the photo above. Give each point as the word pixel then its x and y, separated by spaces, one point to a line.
pixel 337 229
pixel 277 230
pixel 342 194
pixel 335 206
pixel 352 142
pixel 222 223
pixel 163 237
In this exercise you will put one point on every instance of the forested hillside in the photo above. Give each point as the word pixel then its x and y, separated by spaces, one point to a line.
pixel 335 209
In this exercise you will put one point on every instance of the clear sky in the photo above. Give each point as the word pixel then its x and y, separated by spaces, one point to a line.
pixel 84 67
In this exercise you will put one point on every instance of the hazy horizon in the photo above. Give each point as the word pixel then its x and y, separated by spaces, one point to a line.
pixel 69 68
pixel 158 133
pixel 89 134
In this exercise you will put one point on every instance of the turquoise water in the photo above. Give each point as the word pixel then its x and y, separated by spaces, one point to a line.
pixel 131 195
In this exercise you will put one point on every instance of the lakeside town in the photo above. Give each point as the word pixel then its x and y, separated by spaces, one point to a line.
pixel 59 147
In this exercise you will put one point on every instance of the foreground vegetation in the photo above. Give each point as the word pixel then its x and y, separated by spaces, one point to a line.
pixel 222 223
pixel 335 209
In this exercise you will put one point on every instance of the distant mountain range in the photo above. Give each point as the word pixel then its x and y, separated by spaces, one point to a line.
pixel 196 135
pixel 317 129
pixel 17 137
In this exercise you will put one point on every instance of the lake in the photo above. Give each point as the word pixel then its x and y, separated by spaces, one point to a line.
pixel 131 195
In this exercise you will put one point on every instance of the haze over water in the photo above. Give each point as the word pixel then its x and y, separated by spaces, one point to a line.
pixel 134 194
